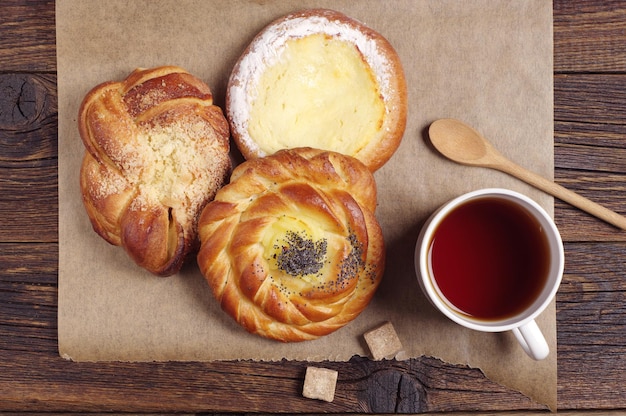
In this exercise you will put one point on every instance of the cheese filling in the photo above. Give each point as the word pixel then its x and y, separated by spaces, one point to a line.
pixel 319 93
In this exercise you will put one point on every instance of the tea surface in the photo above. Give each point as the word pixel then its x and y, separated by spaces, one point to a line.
pixel 490 258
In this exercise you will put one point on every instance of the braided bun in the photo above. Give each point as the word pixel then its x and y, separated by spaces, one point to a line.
pixel 291 248
pixel 157 150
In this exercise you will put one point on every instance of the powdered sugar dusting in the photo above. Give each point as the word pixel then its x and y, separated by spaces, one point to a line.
pixel 110 182
pixel 269 45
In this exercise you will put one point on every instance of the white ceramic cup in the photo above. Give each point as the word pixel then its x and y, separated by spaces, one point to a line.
pixel 523 323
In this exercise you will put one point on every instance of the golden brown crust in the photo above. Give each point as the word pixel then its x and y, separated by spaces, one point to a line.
pixel 382 59
pixel 157 150
pixel 291 247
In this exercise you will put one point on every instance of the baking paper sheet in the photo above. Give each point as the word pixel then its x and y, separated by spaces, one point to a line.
pixel 488 62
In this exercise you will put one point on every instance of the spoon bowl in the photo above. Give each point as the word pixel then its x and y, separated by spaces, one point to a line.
pixel 461 143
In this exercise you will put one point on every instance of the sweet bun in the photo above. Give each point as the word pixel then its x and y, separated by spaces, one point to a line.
pixel 291 247
pixel 157 151
pixel 318 78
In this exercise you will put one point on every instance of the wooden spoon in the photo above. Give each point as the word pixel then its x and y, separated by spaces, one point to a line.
pixel 462 144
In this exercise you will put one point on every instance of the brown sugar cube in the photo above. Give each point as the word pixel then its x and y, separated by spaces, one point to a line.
pixel 383 341
pixel 319 383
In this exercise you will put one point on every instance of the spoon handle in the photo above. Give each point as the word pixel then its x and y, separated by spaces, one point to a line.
pixel 562 193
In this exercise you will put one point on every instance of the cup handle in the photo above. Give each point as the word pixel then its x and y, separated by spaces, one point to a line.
pixel 532 340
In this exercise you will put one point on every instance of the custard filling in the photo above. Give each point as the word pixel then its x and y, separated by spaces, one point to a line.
pixel 320 93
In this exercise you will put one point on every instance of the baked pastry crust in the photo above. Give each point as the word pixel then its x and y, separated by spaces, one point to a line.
pixel 157 151
pixel 267 48
pixel 291 247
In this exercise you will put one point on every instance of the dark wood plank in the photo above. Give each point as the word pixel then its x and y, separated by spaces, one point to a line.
pixel 28 298
pixel 420 385
pixel 589 36
pixel 28 117
pixel 587 98
pixel 591 306
pixel 29 201
pixel 590 150
pixel 28 158
pixel 28 41
pixel 590 139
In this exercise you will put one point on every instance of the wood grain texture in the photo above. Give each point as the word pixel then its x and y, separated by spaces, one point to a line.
pixel 28 36
pixel 28 122
pixel 589 36
pixel 590 150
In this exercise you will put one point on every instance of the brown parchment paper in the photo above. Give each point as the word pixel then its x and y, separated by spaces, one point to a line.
pixel 488 62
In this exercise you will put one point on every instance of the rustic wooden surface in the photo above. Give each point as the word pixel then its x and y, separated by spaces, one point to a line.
pixel 590 158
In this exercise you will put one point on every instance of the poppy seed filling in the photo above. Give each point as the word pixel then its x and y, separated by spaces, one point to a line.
pixel 301 256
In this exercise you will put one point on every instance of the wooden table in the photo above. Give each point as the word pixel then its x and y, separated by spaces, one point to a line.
pixel 590 158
